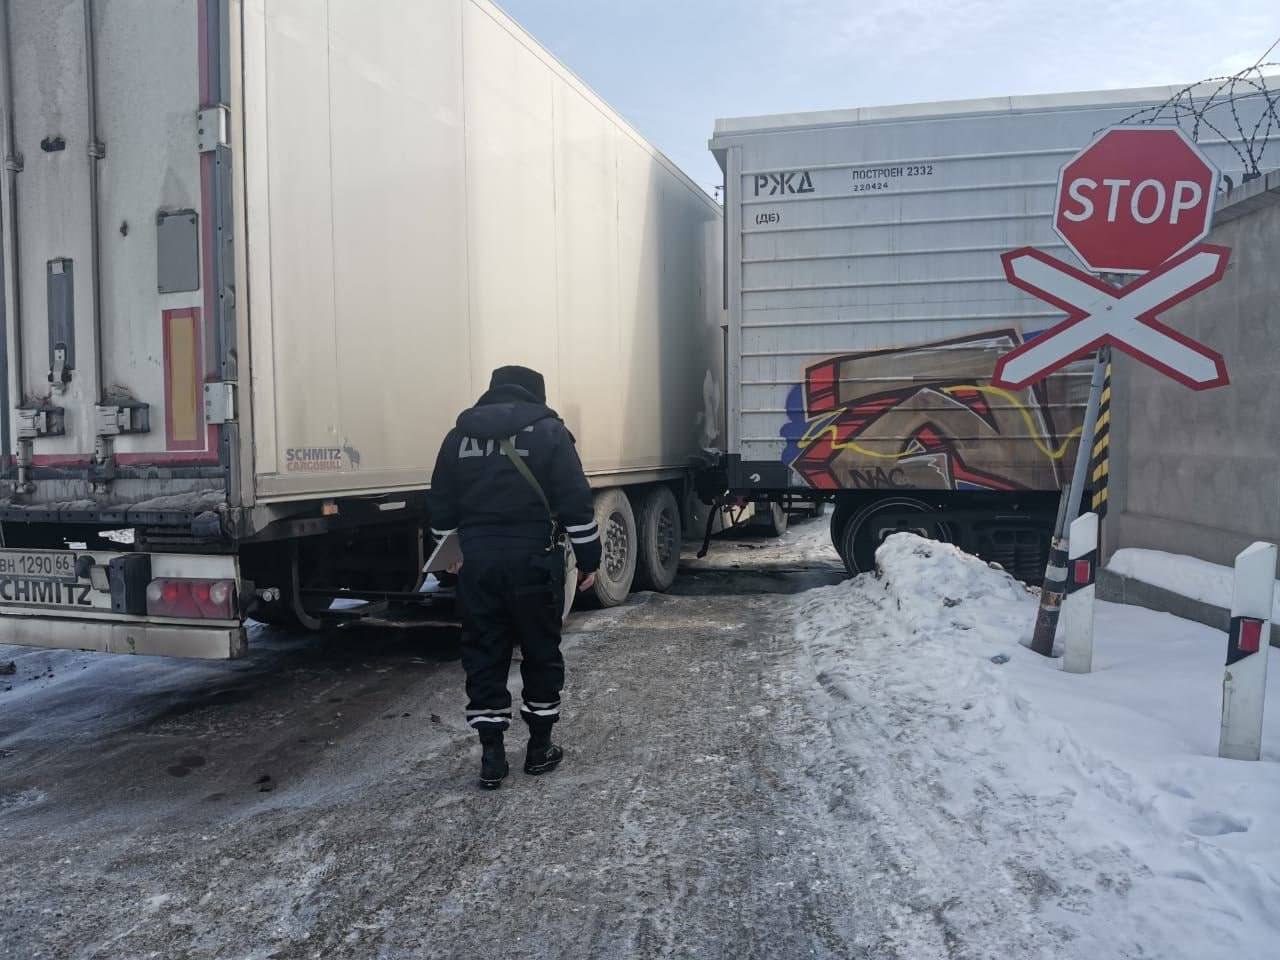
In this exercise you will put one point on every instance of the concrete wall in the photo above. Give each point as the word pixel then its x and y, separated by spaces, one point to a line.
pixel 1193 472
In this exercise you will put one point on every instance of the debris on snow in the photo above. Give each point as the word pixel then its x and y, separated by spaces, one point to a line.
pixel 1096 802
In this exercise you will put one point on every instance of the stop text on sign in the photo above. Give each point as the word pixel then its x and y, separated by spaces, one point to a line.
pixel 1135 198
pixel 1146 203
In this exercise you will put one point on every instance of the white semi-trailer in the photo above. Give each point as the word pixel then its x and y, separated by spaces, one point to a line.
pixel 868 306
pixel 259 253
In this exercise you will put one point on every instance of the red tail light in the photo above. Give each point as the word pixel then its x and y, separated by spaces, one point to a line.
pixel 192 599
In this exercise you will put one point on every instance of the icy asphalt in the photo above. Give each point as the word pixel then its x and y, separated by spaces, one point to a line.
pixel 317 800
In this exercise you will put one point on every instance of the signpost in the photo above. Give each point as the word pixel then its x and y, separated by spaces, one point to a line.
pixel 1137 200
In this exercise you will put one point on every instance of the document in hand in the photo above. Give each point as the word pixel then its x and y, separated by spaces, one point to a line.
pixel 447 553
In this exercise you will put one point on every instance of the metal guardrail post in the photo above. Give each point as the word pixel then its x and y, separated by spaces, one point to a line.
pixel 1244 684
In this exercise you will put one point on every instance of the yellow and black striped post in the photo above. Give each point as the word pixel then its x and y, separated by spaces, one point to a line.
pixel 1095 427
pixel 1100 462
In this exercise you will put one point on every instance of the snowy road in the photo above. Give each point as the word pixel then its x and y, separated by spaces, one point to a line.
pixel 746 779
pixel 685 822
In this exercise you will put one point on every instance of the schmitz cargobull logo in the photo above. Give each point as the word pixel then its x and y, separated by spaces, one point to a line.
pixel 321 459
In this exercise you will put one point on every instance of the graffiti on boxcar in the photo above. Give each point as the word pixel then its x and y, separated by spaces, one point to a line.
pixel 927 416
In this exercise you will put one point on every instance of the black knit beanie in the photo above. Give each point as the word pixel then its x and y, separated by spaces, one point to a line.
pixel 531 380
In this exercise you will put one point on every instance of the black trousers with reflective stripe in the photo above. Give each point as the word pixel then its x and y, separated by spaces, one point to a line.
pixel 511 598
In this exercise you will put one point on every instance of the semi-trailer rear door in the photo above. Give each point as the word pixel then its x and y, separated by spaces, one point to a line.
pixel 117 240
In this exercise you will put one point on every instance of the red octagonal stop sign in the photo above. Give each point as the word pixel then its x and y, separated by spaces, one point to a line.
pixel 1135 197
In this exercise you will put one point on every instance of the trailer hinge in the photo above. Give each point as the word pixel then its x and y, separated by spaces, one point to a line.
pixel 127 416
pixel 219 402
pixel 213 126
pixel 41 422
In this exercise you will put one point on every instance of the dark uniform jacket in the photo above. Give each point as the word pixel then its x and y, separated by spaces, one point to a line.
pixel 477 492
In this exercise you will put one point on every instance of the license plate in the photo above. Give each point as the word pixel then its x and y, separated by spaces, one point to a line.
pixel 46 578
pixel 41 564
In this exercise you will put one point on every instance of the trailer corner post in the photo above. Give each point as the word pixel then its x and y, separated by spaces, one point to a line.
pixel 1244 682
pixel 97 153
pixel 1078 607
pixel 10 268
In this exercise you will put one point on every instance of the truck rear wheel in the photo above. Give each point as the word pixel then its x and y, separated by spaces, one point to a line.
pixel 772 519
pixel 617 525
pixel 660 536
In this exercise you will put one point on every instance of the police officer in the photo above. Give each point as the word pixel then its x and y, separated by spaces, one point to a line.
pixel 511 582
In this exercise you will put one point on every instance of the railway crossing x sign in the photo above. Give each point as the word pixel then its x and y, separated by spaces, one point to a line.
pixel 1099 315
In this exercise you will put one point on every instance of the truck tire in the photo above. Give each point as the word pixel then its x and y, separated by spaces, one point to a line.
pixel 775 521
pixel 660 536
pixel 617 525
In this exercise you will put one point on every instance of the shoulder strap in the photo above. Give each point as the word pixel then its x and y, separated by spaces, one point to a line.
pixel 509 452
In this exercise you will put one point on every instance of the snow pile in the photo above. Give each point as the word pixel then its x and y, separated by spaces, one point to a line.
pixel 1043 813
pixel 1192 577
pixel 938 588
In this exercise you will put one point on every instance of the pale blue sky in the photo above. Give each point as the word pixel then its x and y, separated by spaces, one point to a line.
pixel 672 67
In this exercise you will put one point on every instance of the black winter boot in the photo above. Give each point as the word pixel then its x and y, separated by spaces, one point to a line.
pixel 543 756
pixel 493 761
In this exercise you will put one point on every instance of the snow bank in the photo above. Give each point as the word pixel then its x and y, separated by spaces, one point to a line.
pixel 1082 816
pixel 1189 576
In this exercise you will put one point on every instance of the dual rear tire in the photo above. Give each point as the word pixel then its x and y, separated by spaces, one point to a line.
pixel 639 543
